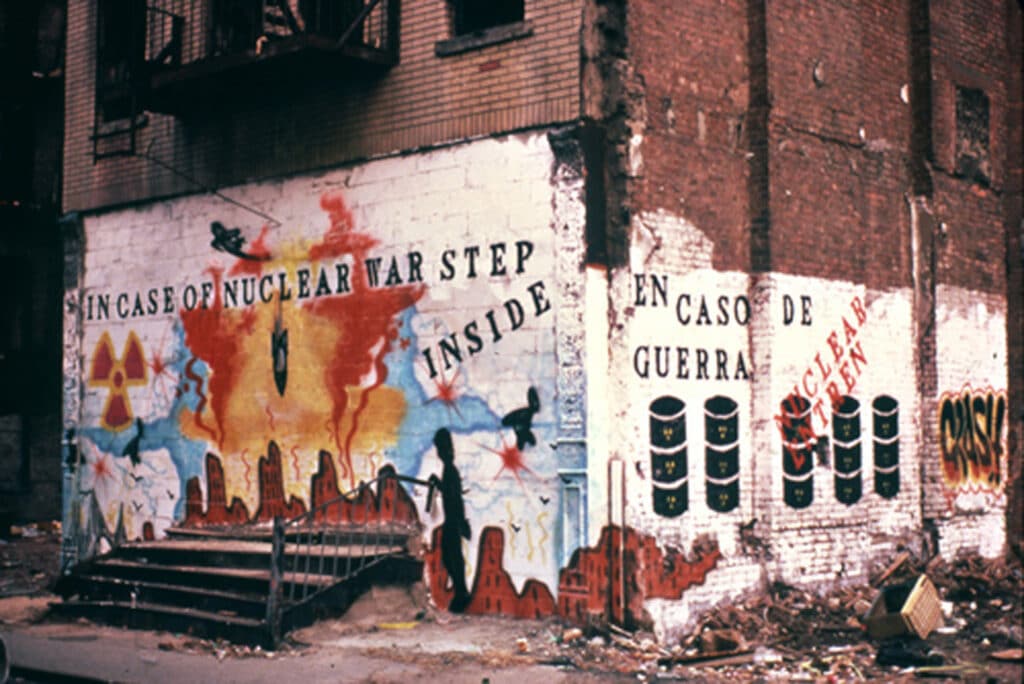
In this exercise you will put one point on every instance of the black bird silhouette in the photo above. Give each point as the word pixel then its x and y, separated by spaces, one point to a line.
pixel 131 449
pixel 516 527
pixel 521 420
pixel 545 500
pixel 640 470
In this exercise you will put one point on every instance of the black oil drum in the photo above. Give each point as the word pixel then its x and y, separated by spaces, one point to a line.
pixel 668 456
pixel 886 445
pixel 846 454
pixel 722 453
pixel 797 452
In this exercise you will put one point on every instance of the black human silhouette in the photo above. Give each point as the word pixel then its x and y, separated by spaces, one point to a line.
pixel 131 449
pixel 521 420
pixel 455 525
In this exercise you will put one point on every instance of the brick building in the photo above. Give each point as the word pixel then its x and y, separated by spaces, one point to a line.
pixel 736 274
pixel 31 124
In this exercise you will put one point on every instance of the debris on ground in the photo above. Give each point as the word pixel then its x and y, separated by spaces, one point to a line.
pixel 783 633
pixel 29 559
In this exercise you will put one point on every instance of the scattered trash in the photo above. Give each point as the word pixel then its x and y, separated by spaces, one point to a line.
pixel 964 671
pixel 721 641
pixel 766 656
pixel 397 625
pixel 905 609
pixel 522 645
pixel 1010 655
pixel 572 634
pixel 908 654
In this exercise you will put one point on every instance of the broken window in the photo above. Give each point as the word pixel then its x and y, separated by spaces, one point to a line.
pixel 473 16
pixel 120 56
pixel 972 151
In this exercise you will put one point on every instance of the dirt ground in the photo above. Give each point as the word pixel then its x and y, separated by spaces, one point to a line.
pixel 781 634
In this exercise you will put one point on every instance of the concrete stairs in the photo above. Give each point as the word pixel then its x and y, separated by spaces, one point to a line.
pixel 215 582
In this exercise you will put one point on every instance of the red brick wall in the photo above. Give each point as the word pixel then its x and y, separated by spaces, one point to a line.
pixel 839 135
pixel 422 101
pixel 692 58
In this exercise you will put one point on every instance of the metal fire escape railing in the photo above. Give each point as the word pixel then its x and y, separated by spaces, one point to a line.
pixel 315 551
pixel 177 35
pixel 140 40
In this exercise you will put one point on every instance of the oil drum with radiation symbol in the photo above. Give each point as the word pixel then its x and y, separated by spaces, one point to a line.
pixel 846 454
pixel 668 456
pixel 722 453
pixel 886 445
pixel 797 452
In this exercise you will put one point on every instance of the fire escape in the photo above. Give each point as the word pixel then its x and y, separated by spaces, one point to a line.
pixel 182 57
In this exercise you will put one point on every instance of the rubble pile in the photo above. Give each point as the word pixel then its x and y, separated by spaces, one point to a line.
pixel 795 635
pixel 975 630
pixel 29 558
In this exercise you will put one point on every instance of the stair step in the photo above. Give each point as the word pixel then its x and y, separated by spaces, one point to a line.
pixel 220 571
pixel 98 587
pixel 171 618
pixel 245 580
pixel 236 546
pixel 352 533
pixel 252 555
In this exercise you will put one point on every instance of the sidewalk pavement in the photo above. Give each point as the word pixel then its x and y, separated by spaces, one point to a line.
pixel 450 649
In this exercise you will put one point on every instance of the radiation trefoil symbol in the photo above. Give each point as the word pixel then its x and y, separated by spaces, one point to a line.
pixel 117 375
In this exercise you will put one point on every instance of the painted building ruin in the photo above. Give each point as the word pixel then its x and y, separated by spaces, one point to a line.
pixel 731 288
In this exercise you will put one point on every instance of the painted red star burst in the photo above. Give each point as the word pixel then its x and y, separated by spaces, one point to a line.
pixel 447 393
pixel 511 460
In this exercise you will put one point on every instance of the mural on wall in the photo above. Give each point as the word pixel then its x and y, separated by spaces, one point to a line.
pixel 797 452
pixel 590 586
pixel 799 445
pixel 116 375
pixel 722 453
pixel 846 453
pixel 299 363
pixel 885 444
pixel 972 440
pixel 668 456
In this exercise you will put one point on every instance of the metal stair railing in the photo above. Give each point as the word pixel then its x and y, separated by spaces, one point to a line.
pixel 313 545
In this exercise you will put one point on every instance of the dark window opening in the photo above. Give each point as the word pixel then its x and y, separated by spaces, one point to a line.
pixel 473 16
pixel 237 24
pixel 972 144
pixel 120 57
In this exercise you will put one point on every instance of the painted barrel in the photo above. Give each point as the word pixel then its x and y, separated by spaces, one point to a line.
pixel 886 445
pixel 668 456
pixel 722 453
pixel 797 452
pixel 846 454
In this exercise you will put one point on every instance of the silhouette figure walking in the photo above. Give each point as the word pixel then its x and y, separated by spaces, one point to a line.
pixel 455 525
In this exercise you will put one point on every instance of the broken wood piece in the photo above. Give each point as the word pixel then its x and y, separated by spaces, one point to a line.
pixel 710 659
pixel 893 567
pixel 1010 655
pixel 950 671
